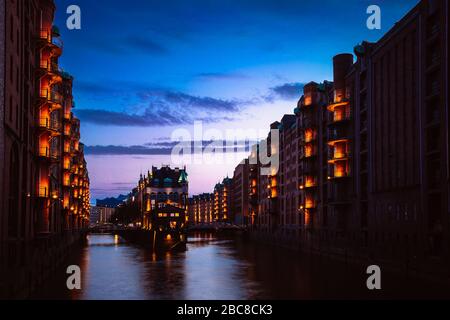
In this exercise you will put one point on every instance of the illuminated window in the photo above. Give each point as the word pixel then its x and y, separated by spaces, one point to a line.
pixel 274 193
pixel 310 181
pixel 308 218
pixel 309 203
pixel 308 99
pixel 340 170
pixel 341 113
pixel 309 135
pixel 340 150
pixel 309 150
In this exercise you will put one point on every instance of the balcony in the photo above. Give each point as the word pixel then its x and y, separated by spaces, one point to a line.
pixel 44 65
pixel 338 134
pixel 48 153
pixel 67 130
pixel 66 182
pixel 75 135
pixel 45 35
pixel 338 155
pixel 335 105
pixel 310 203
pixel 66 165
pixel 49 125
pixel 67 148
pixel 340 170
pixel 341 115
pixel 55 98
pixel 43 192
pixel 51 96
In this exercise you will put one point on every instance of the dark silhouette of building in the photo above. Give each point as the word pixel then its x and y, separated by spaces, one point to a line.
pixel 44 183
pixel 364 165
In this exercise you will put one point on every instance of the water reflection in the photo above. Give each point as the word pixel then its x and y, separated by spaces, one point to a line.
pixel 214 268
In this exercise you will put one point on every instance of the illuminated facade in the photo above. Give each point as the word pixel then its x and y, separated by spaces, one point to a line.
pixel 253 186
pixel 223 203
pixel 43 174
pixel 340 142
pixel 201 209
pixel 287 180
pixel 267 217
pixel 312 175
pixel 373 153
pixel 162 188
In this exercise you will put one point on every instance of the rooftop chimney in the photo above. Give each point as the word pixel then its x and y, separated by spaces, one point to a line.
pixel 341 66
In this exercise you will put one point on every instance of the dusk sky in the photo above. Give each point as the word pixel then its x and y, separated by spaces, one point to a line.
pixel 144 68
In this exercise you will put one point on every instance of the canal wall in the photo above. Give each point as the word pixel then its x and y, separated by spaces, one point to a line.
pixel 350 252
pixel 25 266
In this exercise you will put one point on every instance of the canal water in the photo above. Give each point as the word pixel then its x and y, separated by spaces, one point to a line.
pixel 218 268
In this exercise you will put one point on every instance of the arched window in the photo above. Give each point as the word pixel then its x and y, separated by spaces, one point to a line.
pixel 167 182
pixel 13 196
pixel 162 197
pixel 173 196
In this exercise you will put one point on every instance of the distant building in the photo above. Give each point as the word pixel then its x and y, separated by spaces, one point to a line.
pixel 101 215
pixel 163 187
pixel 111 202
pixel 94 217
pixel 191 211
pixel 202 208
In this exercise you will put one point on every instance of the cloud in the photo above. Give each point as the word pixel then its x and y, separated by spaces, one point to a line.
pixel 185 101
pixel 156 107
pixel 165 148
pixel 125 150
pixel 150 118
pixel 113 118
pixel 287 91
pixel 146 45
pixel 160 107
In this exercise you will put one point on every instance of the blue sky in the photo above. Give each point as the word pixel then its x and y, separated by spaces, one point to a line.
pixel 144 68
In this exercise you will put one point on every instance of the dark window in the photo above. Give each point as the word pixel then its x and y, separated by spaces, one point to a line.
pixel 13 201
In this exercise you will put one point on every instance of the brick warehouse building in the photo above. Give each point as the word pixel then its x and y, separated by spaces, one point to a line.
pixel 240 193
pixel 201 208
pixel 223 201
pixel 44 183
pixel 369 154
